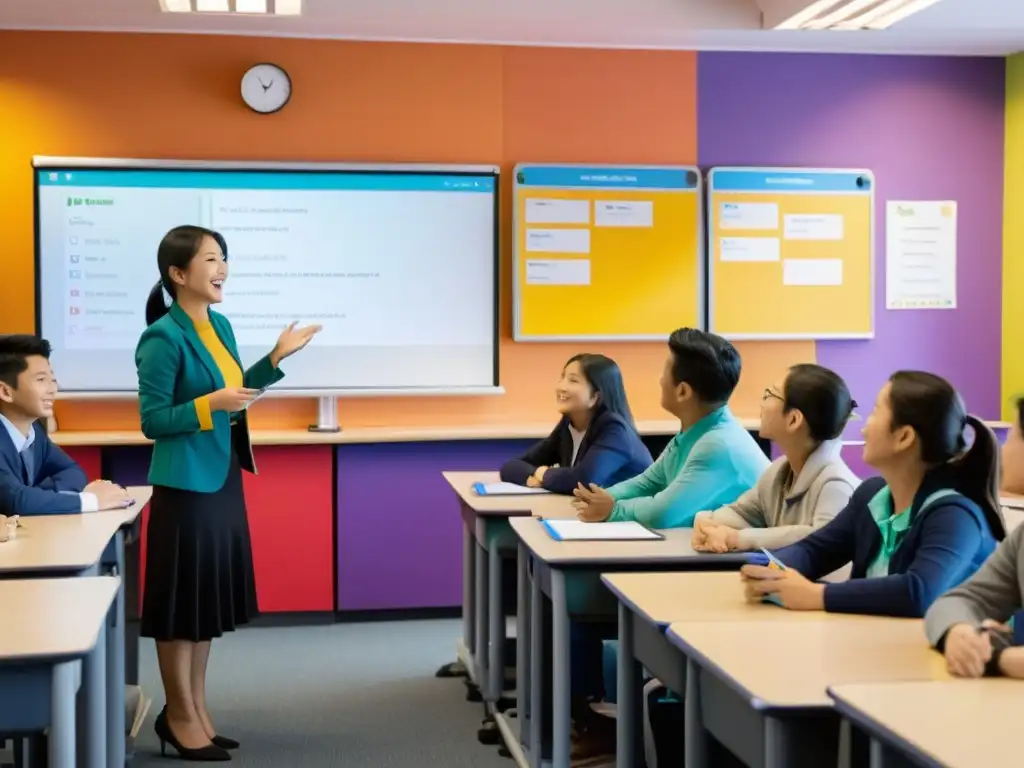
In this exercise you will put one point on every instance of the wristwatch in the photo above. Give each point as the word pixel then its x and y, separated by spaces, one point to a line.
pixel 992 668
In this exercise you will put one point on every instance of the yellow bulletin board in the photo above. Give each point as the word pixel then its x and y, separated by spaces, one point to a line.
pixel 607 253
pixel 791 253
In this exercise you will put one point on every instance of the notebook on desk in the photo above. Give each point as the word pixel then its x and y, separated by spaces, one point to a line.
pixel 505 489
pixel 577 530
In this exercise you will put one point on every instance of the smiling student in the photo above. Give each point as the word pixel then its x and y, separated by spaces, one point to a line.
pixel 804 489
pixel 709 463
pixel 36 476
pixel 594 442
pixel 921 528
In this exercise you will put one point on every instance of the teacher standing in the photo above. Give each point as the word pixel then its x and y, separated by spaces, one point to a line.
pixel 193 393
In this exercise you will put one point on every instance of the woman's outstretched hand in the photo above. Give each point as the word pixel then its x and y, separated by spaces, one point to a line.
pixel 291 340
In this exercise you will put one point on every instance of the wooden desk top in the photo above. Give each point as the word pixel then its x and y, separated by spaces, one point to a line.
pixel 53 618
pixel 663 598
pixel 536 504
pixel 781 664
pixel 675 547
pixel 67 543
pixel 958 724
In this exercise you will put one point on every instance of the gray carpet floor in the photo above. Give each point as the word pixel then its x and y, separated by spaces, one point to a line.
pixel 352 695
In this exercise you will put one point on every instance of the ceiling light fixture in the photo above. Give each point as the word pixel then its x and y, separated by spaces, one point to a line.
pixel 853 14
pixel 241 7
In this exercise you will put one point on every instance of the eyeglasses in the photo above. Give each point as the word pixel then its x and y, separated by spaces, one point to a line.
pixel 769 394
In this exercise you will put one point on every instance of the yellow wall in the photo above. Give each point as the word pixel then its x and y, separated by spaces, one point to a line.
pixel 1013 237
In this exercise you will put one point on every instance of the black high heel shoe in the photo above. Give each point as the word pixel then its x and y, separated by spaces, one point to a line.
pixel 209 754
pixel 225 743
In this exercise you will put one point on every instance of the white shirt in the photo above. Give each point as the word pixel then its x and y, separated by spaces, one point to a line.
pixel 23 442
pixel 577 440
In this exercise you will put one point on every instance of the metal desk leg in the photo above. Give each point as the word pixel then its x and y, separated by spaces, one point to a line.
pixel 115 726
pixel 696 748
pixel 496 628
pixel 468 599
pixel 62 715
pixel 561 688
pixel 537 651
pixel 629 722
pixel 481 611
pixel 522 645
pixel 778 746
pixel 92 721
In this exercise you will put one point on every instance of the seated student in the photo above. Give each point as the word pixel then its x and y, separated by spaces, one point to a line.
pixel 595 441
pixel 36 476
pixel 1013 455
pixel 924 526
pixel 973 624
pixel 709 463
pixel 805 488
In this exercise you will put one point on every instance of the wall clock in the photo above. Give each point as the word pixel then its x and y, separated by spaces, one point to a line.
pixel 266 88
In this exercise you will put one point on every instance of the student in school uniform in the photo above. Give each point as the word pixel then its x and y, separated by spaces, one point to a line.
pixel 1013 455
pixel 36 476
pixel 594 442
pixel 712 461
pixel 924 526
pixel 804 489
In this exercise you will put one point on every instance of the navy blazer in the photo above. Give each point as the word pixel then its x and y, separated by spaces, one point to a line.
pixel 611 451
pixel 946 543
pixel 54 489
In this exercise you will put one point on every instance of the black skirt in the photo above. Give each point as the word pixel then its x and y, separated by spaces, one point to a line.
pixel 199 574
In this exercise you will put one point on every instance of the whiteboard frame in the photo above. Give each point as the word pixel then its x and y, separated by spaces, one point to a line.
pixel 519 336
pixel 43 162
pixel 872 271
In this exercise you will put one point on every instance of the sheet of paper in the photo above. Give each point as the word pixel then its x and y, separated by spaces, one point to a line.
pixel 812 272
pixel 749 249
pixel 748 216
pixel 920 255
pixel 558 271
pixel 555 211
pixel 624 213
pixel 509 489
pixel 577 530
pixel 558 240
pixel 813 226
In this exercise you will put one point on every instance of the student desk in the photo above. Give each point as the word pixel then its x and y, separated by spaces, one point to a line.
pixel 648 603
pixel 954 724
pixel 486 538
pixel 52 642
pixel 760 687
pixel 75 545
pixel 568 573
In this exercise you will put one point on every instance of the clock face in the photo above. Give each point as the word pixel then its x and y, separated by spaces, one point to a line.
pixel 266 88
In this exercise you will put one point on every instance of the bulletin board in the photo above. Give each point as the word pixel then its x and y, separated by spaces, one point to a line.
pixel 607 253
pixel 791 253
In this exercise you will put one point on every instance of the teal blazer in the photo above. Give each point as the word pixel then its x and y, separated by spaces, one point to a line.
pixel 174 369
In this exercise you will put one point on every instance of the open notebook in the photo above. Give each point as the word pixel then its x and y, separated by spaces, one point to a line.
pixel 505 489
pixel 577 530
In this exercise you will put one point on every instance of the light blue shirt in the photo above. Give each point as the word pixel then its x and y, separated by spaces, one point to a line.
pixel 21 442
pixel 709 465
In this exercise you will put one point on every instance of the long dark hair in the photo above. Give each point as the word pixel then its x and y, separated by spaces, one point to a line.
pixel 930 406
pixel 177 249
pixel 604 377
pixel 821 396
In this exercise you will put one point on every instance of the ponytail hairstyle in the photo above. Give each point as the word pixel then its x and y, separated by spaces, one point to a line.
pixel 822 397
pixel 930 406
pixel 176 251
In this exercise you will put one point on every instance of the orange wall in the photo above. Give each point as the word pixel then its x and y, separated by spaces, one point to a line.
pixel 161 96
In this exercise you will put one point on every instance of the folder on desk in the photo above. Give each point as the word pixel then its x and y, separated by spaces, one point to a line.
pixel 505 489
pixel 577 530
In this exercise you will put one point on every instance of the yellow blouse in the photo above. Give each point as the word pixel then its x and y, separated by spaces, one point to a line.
pixel 229 370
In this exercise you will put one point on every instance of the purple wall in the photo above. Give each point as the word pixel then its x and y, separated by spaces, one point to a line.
pixel 399 527
pixel 930 129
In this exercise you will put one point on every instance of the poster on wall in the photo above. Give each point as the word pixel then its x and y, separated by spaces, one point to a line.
pixel 920 254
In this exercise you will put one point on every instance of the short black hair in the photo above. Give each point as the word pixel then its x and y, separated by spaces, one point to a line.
pixel 822 397
pixel 15 349
pixel 705 361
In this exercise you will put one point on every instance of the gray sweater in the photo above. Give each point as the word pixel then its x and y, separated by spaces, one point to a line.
pixel 995 592
pixel 781 509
